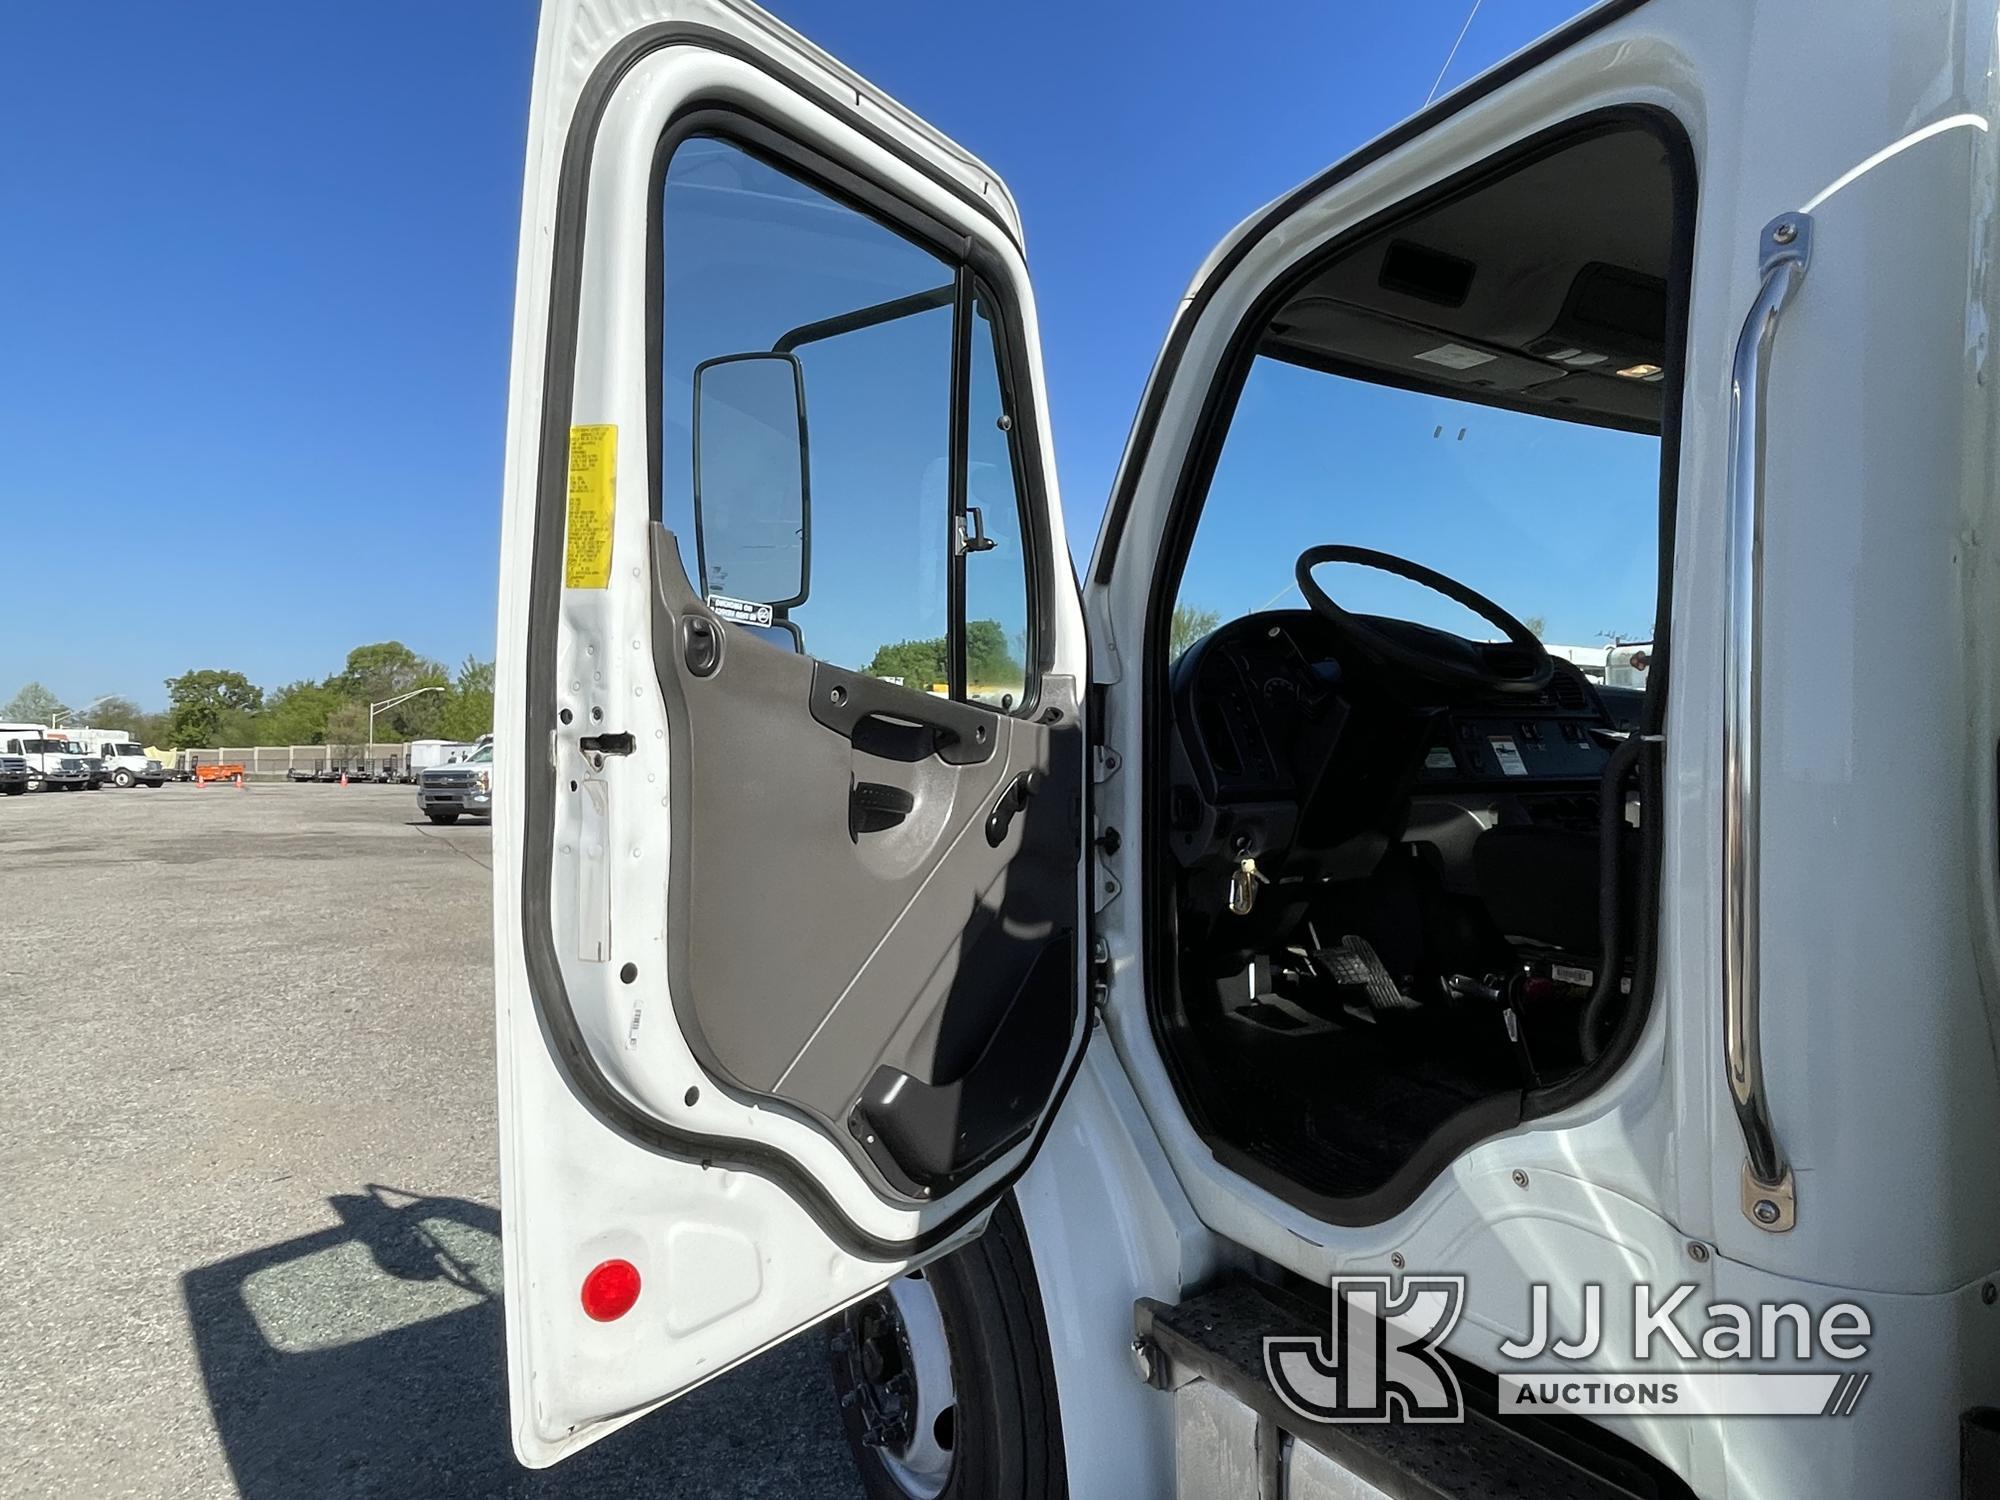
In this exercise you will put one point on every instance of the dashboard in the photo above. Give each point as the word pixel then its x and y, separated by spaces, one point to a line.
pixel 1280 744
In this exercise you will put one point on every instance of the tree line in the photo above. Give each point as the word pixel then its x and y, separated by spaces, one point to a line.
pixel 211 707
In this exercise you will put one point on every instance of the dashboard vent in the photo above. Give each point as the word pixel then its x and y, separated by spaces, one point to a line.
pixel 1566 688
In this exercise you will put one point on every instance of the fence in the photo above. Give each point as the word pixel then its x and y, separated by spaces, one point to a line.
pixel 276 760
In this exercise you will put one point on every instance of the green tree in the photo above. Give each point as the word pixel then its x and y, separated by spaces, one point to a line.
pixel 34 704
pixel 388 669
pixel 1189 625
pixel 468 707
pixel 347 730
pixel 202 703
pixel 918 663
pixel 296 714
pixel 109 713
pixel 989 659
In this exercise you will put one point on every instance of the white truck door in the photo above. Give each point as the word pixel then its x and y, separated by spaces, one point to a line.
pixel 790 766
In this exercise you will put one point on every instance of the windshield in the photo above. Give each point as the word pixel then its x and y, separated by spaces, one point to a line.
pixel 1557 522
pixel 42 747
pixel 124 749
pixel 482 756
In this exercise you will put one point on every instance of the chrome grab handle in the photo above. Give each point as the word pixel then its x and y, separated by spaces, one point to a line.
pixel 1783 251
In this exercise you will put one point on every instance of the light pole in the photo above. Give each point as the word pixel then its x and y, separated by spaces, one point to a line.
pixel 375 708
pixel 67 713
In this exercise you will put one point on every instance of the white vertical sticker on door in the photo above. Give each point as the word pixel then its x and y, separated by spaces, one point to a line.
pixel 1509 755
pixel 593 880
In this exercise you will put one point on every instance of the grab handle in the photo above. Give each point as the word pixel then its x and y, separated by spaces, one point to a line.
pixel 1783 251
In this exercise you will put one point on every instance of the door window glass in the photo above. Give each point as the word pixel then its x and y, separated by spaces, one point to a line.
pixel 757 262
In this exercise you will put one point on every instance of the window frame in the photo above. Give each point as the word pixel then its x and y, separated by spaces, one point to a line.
pixel 973 269
pixel 1190 496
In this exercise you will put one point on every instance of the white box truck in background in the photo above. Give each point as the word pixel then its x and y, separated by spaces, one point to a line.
pixel 427 753
pixel 124 757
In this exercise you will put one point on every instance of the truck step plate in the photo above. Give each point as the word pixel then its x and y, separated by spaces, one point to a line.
pixel 1235 1439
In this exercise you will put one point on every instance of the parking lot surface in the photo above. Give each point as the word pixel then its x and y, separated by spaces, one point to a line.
pixel 250 1236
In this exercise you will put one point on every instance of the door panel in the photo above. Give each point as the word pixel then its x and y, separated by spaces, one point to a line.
pixel 842 921
pixel 787 953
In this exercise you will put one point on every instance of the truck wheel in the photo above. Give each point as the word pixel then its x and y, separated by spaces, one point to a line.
pixel 946 1387
pixel 122 778
pixel 17 789
pixel 442 817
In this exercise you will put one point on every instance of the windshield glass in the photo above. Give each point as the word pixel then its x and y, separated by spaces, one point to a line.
pixel 124 749
pixel 482 756
pixel 1557 522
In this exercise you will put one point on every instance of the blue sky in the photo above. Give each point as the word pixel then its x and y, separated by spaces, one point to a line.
pixel 259 262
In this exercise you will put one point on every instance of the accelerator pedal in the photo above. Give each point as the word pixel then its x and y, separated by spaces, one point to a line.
pixel 1353 961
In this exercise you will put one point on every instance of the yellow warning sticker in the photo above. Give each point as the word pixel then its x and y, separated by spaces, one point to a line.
pixel 593 500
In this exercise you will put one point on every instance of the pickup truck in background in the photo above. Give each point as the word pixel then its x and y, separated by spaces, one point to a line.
pixel 463 788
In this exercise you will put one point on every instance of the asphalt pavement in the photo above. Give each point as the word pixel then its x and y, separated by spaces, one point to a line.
pixel 249 1243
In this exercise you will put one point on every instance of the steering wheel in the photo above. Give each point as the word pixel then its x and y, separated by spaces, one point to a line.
pixel 1520 665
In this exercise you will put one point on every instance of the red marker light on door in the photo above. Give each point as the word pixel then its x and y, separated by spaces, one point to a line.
pixel 610 1290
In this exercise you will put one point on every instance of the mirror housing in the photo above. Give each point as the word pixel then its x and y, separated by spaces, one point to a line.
pixel 752 491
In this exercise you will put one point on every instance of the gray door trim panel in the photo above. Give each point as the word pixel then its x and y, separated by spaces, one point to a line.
pixel 808 955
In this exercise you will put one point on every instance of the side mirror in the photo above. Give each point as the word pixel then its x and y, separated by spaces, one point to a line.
pixel 752 498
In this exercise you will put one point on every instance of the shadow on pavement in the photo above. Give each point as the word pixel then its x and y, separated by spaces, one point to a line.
pixel 367 1359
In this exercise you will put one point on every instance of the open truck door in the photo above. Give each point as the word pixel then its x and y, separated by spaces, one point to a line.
pixel 790 763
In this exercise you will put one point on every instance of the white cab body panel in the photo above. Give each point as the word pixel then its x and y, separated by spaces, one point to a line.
pixel 1881 973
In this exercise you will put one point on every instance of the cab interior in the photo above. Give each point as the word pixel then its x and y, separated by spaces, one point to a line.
pixel 1409 870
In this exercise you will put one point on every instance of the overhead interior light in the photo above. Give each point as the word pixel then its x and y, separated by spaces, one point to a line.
pixel 1640 372
pixel 1457 357
pixel 1578 361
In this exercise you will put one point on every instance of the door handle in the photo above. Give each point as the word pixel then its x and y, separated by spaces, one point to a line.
pixel 1768 1201
pixel 1019 790
pixel 875 807
pixel 897 723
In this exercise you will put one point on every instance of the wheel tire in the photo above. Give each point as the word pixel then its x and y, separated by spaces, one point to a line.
pixel 122 779
pixel 1005 1426
pixel 18 789
pixel 442 817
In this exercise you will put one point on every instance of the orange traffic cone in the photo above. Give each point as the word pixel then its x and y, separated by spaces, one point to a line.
pixel 241 781
pixel 343 778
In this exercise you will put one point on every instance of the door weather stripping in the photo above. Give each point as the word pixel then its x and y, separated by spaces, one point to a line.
pixel 1783 251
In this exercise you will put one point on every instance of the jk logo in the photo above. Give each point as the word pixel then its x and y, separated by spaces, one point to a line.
pixel 1382 1362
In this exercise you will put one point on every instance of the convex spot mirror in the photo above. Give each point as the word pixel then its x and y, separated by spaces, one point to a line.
pixel 752 500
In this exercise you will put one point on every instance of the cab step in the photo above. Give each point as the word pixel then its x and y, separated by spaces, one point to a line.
pixel 1234 1438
